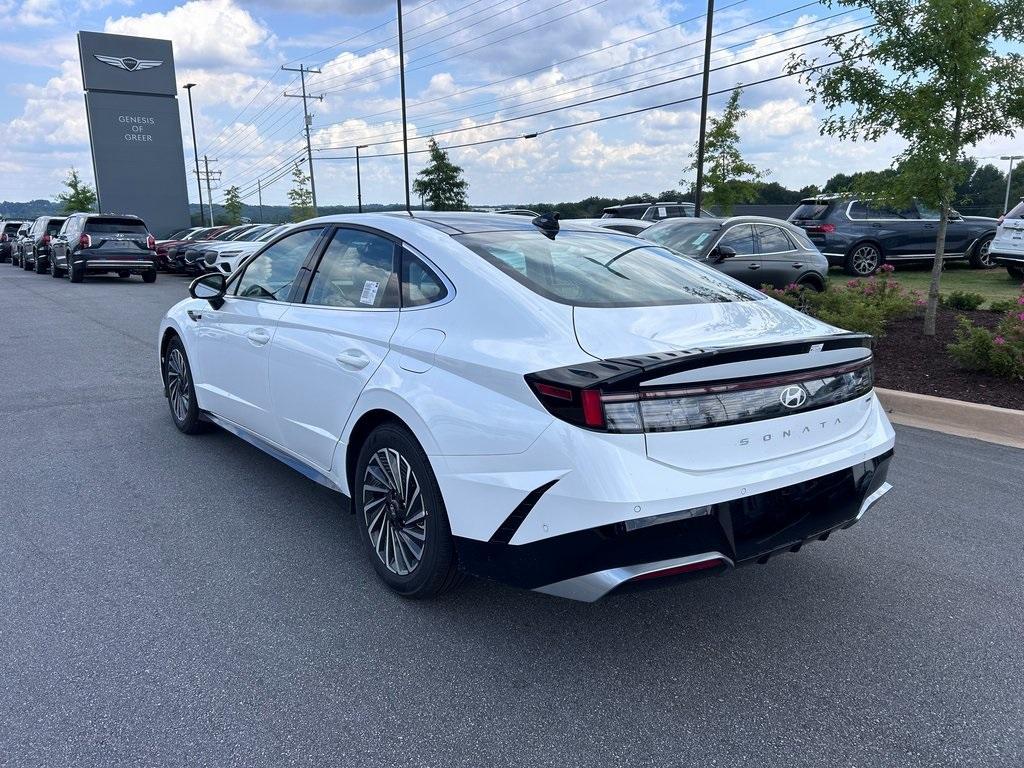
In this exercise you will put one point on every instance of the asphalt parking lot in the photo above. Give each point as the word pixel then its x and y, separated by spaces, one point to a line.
pixel 167 600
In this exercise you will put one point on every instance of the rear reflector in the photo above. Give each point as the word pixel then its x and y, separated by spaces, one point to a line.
pixel 703 565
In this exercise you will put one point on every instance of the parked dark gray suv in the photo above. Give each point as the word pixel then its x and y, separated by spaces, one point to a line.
pixel 35 246
pixel 860 236
pixel 93 243
pixel 8 236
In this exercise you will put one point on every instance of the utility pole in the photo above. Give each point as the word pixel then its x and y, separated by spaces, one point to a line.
pixel 302 70
pixel 209 176
pixel 1009 178
pixel 195 149
pixel 698 192
pixel 405 128
pixel 259 193
pixel 359 185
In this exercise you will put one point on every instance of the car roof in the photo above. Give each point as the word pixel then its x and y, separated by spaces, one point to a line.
pixel 463 223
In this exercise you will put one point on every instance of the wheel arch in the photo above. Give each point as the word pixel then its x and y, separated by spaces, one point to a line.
pixel 813 279
pixel 166 336
pixel 868 240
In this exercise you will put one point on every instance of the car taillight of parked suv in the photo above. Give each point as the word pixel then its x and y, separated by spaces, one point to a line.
pixel 95 244
pixel 861 235
pixel 1008 245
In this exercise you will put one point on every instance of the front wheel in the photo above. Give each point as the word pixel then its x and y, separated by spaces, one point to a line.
pixel 181 394
pixel 25 264
pixel 401 515
pixel 981 256
pixel 55 271
pixel 149 277
pixel 41 266
pixel 863 260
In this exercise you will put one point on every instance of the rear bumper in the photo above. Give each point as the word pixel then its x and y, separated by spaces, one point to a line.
pixel 589 564
pixel 135 266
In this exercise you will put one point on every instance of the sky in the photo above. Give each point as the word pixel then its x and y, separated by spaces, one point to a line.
pixel 472 67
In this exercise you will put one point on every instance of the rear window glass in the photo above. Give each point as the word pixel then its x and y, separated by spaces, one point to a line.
pixel 53 226
pixel 115 226
pixel 624 213
pixel 603 270
pixel 812 210
pixel 10 229
pixel 1017 212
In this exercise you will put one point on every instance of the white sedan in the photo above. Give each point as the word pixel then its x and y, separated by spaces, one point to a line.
pixel 566 410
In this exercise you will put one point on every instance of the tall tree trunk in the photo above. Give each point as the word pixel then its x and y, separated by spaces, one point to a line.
pixel 933 289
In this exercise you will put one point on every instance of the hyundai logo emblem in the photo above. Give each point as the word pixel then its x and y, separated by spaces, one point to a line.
pixel 793 397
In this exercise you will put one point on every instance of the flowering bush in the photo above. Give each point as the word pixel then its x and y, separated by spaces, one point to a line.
pixel 864 305
pixel 999 352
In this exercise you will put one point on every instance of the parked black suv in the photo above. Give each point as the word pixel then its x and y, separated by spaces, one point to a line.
pixel 96 244
pixel 651 211
pixel 860 236
pixel 8 235
pixel 35 246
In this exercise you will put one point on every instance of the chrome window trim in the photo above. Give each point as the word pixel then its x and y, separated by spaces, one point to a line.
pixel 753 237
pixel 785 234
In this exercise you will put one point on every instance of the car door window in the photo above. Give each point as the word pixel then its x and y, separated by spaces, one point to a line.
pixel 357 271
pixel 271 274
pixel 420 286
pixel 741 239
pixel 773 239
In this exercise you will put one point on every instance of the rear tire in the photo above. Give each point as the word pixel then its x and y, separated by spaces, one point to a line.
pixel 981 254
pixel 41 267
pixel 181 394
pixel 24 265
pixel 1017 273
pixel 76 273
pixel 123 273
pixel 863 260
pixel 149 277
pixel 55 271
pixel 401 515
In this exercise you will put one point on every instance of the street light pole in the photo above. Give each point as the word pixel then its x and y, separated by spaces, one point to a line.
pixel 1009 179
pixel 359 186
pixel 698 192
pixel 195 149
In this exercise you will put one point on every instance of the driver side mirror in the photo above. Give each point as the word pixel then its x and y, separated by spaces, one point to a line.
pixel 722 252
pixel 211 287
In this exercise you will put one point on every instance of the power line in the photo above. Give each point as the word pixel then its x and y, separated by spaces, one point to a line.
pixel 627 92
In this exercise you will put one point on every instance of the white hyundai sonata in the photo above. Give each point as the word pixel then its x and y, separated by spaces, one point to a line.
pixel 566 410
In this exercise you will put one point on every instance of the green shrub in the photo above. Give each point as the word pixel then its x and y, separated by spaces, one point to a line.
pixel 999 352
pixel 1002 305
pixel 963 300
pixel 863 306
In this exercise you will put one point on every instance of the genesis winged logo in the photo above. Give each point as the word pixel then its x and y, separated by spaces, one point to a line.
pixel 128 63
pixel 793 397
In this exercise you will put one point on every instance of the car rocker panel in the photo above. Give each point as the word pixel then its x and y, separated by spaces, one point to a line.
pixel 572 458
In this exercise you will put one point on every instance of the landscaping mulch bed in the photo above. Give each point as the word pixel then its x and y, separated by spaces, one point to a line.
pixel 908 361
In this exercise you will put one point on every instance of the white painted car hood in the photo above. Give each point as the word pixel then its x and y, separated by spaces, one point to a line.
pixel 621 332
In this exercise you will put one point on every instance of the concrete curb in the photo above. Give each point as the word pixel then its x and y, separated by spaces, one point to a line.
pixel 1004 426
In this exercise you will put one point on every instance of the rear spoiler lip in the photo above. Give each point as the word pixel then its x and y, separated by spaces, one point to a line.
pixel 626 373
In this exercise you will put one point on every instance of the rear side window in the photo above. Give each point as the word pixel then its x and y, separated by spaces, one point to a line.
pixel 357 271
pixel 812 210
pixel 862 209
pixel 1017 212
pixel 115 226
pixel 773 239
pixel 420 286
pixel 603 270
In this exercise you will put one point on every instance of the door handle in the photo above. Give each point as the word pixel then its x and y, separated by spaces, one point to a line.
pixel 353 358
pixel 753 266
pixel 258 336
pixel 798 265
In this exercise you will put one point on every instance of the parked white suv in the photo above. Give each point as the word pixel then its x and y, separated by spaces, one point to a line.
pixel 567 410
pixel 225 256
pixel 1008 245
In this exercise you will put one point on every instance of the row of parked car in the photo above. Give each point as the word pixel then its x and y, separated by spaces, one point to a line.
pixel 212 249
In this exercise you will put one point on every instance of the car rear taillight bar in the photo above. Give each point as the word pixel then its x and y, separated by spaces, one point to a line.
pixel 610 396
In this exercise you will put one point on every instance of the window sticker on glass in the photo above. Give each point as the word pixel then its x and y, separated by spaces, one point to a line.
pixel 369 295
pixel 701 238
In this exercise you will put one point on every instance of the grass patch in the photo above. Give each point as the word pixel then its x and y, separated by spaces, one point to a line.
pixel 994 284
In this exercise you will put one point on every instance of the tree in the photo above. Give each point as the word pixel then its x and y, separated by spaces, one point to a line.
pixel 934 72
pixel 78 196
pixel 233 205
pixel 441 183
pixel 300 195
pixel 728 178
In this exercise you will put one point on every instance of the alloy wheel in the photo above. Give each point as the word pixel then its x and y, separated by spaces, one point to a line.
pixel 865 259
pixel 179 390
pixel 985 253
pixel 394 511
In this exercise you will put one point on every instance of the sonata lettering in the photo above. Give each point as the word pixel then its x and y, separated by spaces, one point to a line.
pixel 787 433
